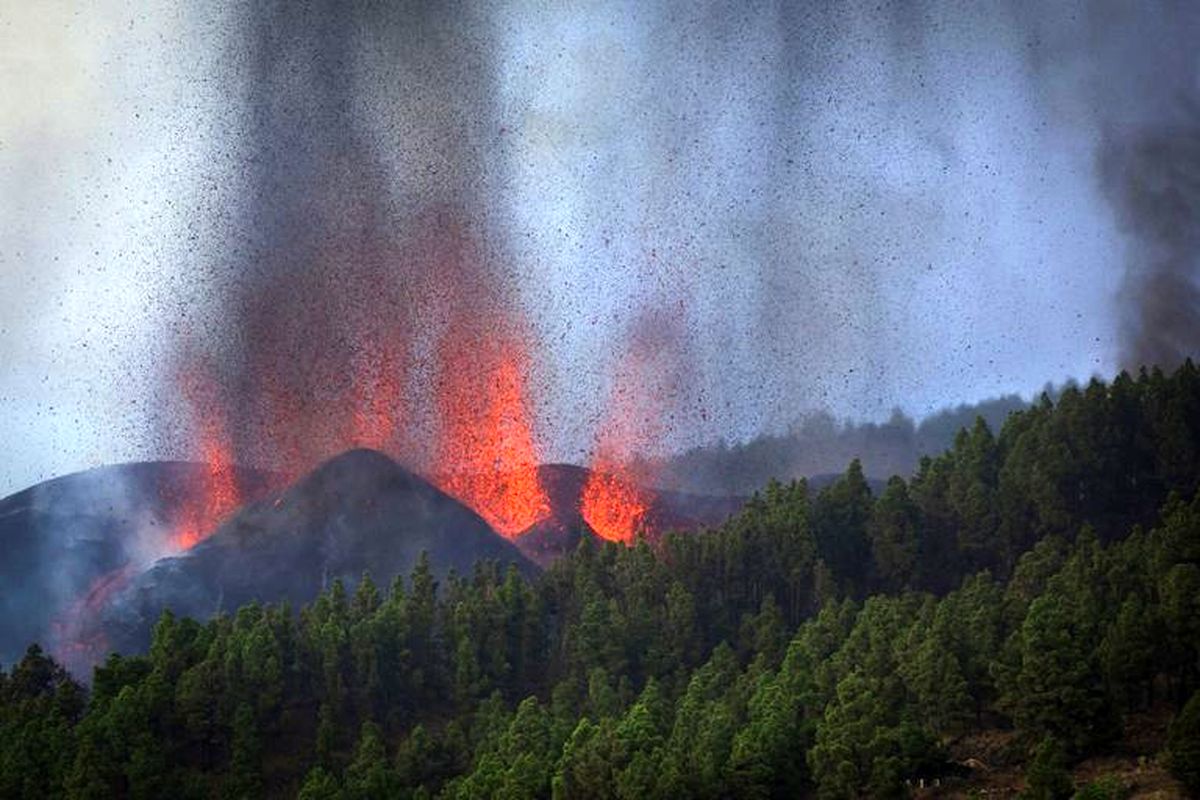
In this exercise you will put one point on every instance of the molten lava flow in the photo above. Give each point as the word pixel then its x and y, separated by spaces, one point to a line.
pixel 613 508
pixel 488 457
pixel 216 494
pixel 78 641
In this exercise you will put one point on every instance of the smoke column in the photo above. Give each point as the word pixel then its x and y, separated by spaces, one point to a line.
pixel 782 178
pixel 1148 84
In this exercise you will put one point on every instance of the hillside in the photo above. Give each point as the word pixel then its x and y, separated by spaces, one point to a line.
pixel 357 513
pixel 1022 614
pixel 61 537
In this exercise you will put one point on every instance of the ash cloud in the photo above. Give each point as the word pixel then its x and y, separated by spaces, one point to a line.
pixel 1154 179
pixel 358 230
pixel 851 205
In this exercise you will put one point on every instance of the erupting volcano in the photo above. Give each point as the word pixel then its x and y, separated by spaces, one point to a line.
pixel 645 395
pixel 218 494
pixel 612 507
pixel 370 302
pixel 365 295
pixel 488 459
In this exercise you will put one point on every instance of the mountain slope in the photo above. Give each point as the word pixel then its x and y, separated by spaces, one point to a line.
pixel 60 538
pixel 359 512
pixel 560 533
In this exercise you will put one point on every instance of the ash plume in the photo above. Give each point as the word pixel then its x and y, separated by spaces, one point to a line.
pixel 1154 180
pixel 860 206
pixel 373 218
pixel 1131 72
pixel 358 231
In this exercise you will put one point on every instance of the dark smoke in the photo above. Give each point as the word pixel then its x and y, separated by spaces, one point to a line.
pixel 1135 70
pixel 1154 180
pixel 803 177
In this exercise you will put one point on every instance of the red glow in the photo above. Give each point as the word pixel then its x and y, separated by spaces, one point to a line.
pixel 487 458
pixel 646 393
pixel 376 397
pixel 216 494
pixel 78 641
pixel 431 370
pixel 613 508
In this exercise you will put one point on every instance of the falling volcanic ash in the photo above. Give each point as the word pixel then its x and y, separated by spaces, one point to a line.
pixel 362 305
pixel 489 460
pixel 487 455
pixel 646 399
pixel 217 494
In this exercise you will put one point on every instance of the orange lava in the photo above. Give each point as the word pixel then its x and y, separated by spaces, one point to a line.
pixel 432 371
pixel 614 508
pixel 488 459
pixel 216 494
pixel 645 394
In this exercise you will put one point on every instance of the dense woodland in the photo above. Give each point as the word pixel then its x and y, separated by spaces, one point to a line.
pixel 1043 581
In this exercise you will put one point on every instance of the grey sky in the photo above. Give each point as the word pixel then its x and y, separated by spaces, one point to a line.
pixel 850 207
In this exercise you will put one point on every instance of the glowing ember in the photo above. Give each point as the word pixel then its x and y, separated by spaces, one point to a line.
pixel 488 457
pixel 377 389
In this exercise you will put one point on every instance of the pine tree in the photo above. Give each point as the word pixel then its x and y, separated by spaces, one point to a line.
pixel 245 769
pixel 894 534
pixel 1047 777
pixel 368 775
pixel 1183 745
pixel 319 784
pixel 1057 689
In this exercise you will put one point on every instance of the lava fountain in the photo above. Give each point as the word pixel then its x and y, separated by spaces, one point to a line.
pixel 487 456
pixel 613 506
pixel 646 394
pixel 216 494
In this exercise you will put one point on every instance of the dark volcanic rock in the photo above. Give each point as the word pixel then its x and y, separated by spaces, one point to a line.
pixel 59 539
pixel 360 512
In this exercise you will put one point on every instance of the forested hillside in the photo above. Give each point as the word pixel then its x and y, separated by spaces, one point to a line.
pixel 1039 587
pixel 818 444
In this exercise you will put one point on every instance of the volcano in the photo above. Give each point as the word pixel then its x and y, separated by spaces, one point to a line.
pixel 92 559
pixel 358 513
